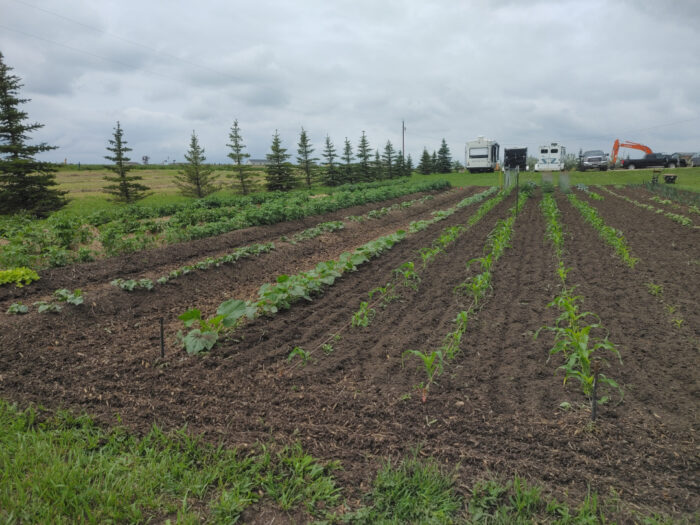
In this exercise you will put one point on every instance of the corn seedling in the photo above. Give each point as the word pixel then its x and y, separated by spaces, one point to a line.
pixel 680 219
pixel 410 277
pixel 301 353
pixel 364 316
pixel 327 348
pixel 432 365
pixel 655 289
pixel 678 322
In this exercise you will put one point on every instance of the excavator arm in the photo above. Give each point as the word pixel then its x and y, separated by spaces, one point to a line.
pixel 627 144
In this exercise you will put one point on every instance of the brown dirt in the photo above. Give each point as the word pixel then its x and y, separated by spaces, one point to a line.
pixel 496 407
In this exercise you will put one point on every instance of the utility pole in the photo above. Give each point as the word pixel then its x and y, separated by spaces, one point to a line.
pixel 403 140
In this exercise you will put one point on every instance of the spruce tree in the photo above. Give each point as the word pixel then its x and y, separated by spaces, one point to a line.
pixel 444 159
pixel 364 154
pixel 304 158
pixel 279 171
pixel 400 165
pixel 377 168
pixel 388 158
pixel 433 162
pixel 196 179
pixel 425 164
pixel 25 183
pixel 331 173
pixel 237 156
pixel 347 168
pixel 409 165
pixel 123 187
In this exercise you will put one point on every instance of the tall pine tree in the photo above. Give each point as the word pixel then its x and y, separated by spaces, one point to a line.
pixel 123 187
pixel 400 165
pixel 237 156
pixel 364 159
pixel 444 159
pixel 433 162
pixel 331 173
pixel 347 167
pixel 377 167
pixel 279 173
pixel 196 179
pixel 388 158
pixel 304 158
pixel 409 165
pixel 25 183
pixel 425 164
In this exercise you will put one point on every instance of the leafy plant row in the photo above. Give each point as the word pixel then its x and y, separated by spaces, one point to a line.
pixel 476 286
pixel 610 235
pixel 311 233
pixel 279 295
pixel 593 195
pixel 574 336
pixel 63 239
pixel 691 198
pixel 680 219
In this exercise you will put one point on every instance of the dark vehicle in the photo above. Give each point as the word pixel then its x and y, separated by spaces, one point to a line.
pixel 593 160
pixel 650 160
pixel 515 158
pixel 682 159
pixel 694 161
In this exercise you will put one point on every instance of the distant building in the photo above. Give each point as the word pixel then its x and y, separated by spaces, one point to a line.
pixel 257 162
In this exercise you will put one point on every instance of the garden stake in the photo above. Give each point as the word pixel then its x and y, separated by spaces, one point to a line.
pixel 596 369
pixel 162 339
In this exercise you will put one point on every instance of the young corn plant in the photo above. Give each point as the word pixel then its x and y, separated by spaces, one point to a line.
pixel 363 317
pixel 409 275
pixel 298 351
pixel 432 365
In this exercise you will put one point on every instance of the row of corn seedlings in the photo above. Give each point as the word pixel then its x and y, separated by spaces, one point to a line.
pixel 610 235
pixel 476 286
pixel 406 274
pixel 680 219
pixel 574 336
pixel 593 195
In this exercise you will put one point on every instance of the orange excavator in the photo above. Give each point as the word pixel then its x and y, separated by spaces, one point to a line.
pixel 627 144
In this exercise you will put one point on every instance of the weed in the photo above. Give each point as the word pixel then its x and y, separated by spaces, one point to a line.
pixel 303 355
pixel 327 348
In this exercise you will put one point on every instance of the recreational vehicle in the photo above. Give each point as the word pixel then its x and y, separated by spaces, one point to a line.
pixel 481 155
pixel 551 157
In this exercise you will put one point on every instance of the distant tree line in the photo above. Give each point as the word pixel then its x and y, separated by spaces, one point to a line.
pixel 29 185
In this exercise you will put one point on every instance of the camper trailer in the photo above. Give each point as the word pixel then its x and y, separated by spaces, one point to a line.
pixel 551 157
pixel 481 155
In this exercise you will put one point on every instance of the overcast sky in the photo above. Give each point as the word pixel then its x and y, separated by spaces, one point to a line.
pixel 581 73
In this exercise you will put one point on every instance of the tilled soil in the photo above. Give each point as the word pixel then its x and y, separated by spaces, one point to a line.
pixel 496 407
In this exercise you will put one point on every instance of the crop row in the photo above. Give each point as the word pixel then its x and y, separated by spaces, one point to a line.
pixel 680 219
pixel 287 290
pixel 574 336
pixel 610 235
pixel 63 239
pixel 385 210
pixel 476 286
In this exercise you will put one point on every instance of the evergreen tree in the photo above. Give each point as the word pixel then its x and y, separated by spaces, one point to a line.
pixel 347 175
pixel 444 159
pixel 196 179
pixel 457 166
pixel 25 183
pixel 433 162
pixel 388 158
pixel 409 165
pixel 279 171
pixel 304 158
pixel 237 156
pixel 400 165
pixel 331 174
pixel 124 188
pixel 377 168
pixel 364 154
pixel 425 164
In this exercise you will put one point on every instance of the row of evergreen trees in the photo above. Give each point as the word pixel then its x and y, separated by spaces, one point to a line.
pixel 28 184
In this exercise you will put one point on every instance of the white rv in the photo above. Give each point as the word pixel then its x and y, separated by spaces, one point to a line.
pixel 551 157
pixel 481 155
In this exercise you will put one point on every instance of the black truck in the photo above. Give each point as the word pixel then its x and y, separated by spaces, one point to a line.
pixel 650 160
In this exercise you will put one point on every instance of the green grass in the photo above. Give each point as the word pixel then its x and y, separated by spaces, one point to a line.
pixel 688 178
pixel 59 468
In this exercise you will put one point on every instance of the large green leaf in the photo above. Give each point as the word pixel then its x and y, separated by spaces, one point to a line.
pixel 197 341
pixel 191 317
pixel 233 309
